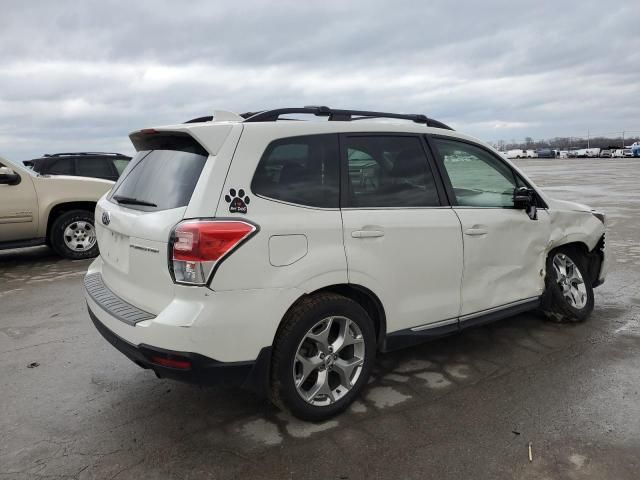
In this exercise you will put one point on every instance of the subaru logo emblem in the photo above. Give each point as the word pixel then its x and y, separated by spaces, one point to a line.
pixel 106 218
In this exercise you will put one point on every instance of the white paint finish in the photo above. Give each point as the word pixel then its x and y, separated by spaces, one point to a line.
pixel 503 265
pixel 141 277
pixel 262 431
pixel 249 267
pixel 435 380
pixel 219 325
pixel 285 250
pixel 209 189
pixel 415 268
pixel 383 397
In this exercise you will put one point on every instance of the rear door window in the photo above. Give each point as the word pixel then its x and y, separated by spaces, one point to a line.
pixel 389 172
pixel 302 170
pixel 163 177
pixel 60 166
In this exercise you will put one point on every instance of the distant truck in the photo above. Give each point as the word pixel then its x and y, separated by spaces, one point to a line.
pixel 588 152
pixel 516 153
pixel 635 149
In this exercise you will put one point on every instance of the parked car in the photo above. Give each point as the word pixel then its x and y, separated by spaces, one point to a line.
pixel 546 153
pixel 56 211
pixel 627 152
pixel 283 255
pixel 108 166
pixel 605 153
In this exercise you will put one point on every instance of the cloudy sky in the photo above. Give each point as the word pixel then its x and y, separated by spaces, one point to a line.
pixel 81 75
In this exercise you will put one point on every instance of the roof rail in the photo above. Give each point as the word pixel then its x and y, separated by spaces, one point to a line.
pixel 339 115
pixel 68 154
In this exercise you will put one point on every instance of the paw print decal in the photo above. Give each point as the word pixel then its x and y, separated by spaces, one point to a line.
pixel 237 201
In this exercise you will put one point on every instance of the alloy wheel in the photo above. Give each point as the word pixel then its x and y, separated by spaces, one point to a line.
pixel 329 360
pixel 570 281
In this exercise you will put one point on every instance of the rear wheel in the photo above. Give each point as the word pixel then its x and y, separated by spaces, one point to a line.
pixel 322 357
pixel 569 295
pixel 73 235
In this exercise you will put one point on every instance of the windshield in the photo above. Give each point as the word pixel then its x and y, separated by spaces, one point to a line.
pixel 158 180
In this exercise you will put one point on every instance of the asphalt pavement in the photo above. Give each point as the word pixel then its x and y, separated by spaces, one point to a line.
pixel 466 406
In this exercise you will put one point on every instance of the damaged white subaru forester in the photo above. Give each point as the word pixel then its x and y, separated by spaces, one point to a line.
pixel 282 255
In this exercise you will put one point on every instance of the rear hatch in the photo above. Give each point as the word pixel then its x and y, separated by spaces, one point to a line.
pixel 135 220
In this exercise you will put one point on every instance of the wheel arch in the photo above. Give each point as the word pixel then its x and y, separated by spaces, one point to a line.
pixel 61 208
pixel 593 257
pixel 364 297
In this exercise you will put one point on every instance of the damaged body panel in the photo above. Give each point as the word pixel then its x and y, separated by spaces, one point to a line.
pixel 573 223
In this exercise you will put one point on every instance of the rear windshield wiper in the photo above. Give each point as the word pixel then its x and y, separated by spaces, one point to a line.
pixel 132 201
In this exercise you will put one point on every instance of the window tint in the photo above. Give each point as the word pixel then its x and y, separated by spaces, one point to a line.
pixel 120 164
pixel 478 178
pixel 60 166
pixel 165 178
pixel 302 170
pixel 389 171
pixel 95 167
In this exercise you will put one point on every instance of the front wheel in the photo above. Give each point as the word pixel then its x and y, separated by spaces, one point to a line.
pixel 322 356
pixel 569 295
pixel 73 235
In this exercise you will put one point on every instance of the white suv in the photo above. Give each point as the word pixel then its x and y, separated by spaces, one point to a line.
pixel 282 255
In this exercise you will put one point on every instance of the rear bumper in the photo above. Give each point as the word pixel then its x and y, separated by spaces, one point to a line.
pixel 201 370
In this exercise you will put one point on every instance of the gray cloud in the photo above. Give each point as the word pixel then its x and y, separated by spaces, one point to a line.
pixel 81 75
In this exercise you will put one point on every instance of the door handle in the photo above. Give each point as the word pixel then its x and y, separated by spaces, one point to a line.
pixel 367 233
pixel 476 231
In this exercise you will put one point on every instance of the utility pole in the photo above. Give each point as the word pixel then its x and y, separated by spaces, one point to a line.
pixel 588 134
pixel 623 139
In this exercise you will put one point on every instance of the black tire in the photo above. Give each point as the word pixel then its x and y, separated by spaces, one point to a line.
pixel 56 235
pixel 554 305
pixel 298 321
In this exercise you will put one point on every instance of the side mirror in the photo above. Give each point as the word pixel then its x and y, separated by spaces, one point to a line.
pixel 525 199
pixel 8 177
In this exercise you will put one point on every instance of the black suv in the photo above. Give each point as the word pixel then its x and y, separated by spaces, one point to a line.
pixel 81 164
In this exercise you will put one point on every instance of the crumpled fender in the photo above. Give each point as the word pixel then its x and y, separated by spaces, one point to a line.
pixel 572 222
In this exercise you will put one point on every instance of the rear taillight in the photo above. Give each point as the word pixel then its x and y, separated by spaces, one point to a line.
pixel 199 245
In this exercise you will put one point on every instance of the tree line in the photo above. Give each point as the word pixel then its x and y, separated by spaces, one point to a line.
pixel 565 143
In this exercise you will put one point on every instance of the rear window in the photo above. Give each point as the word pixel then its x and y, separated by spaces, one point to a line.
pixel 160 178
pixel 302 170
